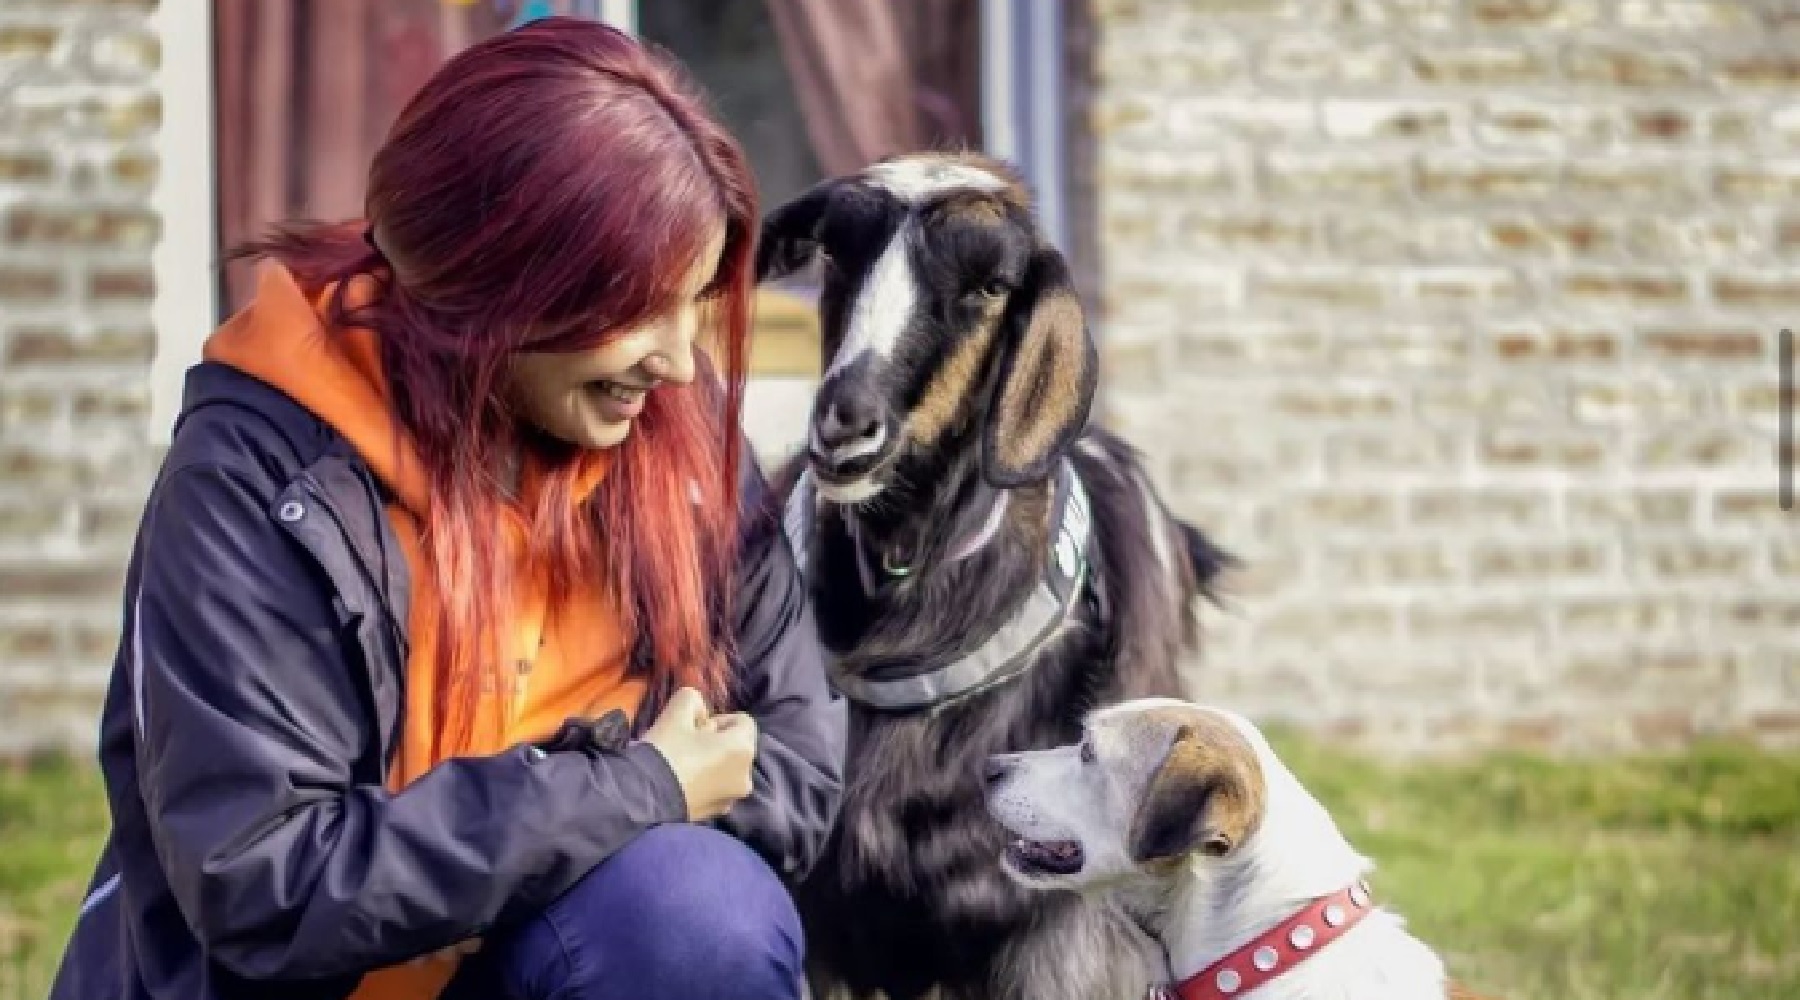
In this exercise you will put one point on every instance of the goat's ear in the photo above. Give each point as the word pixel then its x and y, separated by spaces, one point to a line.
pixel 1049 368
pixel 790 234
pixel 1200 799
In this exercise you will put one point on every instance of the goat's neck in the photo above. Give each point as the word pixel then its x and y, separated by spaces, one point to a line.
pixel 918 526
pixel 938 609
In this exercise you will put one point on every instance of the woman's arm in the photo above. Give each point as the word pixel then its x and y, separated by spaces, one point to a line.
pixel 250 715
pixel 798 778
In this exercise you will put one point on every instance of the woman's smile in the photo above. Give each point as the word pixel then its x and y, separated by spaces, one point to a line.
pixel 618 401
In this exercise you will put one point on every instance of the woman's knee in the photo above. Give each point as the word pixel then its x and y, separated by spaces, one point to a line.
pixel 682 911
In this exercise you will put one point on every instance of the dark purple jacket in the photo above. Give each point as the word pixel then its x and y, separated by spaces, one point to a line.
pixel 255 705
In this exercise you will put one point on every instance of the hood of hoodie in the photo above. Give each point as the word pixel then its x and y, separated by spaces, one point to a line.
pixel 280 339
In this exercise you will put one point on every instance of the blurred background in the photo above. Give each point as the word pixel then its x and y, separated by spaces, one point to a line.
pixel 1457 319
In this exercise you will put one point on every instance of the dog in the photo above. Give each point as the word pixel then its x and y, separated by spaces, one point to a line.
pixel 1184 816
pixel 985 567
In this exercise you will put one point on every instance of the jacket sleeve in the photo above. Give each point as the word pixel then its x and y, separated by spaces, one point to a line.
pixel 801 722
pixel 249 720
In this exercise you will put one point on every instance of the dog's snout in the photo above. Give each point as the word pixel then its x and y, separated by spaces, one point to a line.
pixel 998 767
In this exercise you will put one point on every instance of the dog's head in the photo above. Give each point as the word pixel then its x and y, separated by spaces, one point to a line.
pixel 1152 784
pixel 949 323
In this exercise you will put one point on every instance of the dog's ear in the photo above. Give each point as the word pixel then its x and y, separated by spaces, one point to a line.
pixel 1048 371
pixel 1206 796
pixel 790 234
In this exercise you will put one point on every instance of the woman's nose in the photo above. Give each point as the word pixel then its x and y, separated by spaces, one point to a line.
pixel 676 365
pixel 672 356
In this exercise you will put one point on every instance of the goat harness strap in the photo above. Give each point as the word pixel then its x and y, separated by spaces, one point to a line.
pixel 1006 654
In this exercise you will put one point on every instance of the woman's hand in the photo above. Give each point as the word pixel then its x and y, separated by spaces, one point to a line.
pixel 710 754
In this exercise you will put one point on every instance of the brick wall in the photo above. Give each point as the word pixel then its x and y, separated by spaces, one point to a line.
pixel 78 119
pixel 1458 318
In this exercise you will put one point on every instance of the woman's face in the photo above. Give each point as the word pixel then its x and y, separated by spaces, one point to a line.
pixel 589 398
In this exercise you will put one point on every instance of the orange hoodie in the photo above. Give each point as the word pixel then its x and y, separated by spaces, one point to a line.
pixel 569 660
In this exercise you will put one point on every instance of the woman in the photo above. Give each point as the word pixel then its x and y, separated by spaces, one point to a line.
pixel 456 477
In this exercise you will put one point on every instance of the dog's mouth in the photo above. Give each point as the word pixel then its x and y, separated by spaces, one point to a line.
pixel 1045 857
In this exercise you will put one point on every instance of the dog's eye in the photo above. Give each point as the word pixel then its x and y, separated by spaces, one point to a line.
pixel 1087 752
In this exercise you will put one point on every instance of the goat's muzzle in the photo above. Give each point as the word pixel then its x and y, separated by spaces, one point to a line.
pixel 854 433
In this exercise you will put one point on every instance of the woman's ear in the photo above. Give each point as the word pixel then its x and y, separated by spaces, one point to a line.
pixel 790 234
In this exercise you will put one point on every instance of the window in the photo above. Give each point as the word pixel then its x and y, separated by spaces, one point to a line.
pixel 821 88
pixel 305 90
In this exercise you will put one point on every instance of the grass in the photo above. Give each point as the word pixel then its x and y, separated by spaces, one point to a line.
pixel 52 822
pixel 1644 878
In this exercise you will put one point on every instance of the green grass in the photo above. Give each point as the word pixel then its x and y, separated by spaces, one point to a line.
pixel 52 821
pixel 1648 878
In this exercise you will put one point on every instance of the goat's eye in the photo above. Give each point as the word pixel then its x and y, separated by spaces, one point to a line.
pixel 1087 752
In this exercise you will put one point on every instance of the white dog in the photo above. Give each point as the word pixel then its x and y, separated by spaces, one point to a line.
pixel 1188 815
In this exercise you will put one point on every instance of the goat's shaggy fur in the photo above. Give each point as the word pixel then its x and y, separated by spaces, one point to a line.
pixel 924 418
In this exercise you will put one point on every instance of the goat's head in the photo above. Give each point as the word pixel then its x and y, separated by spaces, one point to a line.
pixel 950 325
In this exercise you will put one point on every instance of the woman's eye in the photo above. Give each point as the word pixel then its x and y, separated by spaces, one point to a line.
pixel 1087 753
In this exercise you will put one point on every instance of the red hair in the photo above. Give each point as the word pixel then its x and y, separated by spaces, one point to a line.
pixel 558 177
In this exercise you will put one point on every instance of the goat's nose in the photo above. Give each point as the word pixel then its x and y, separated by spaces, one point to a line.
pixel 849 428
pixel 998 767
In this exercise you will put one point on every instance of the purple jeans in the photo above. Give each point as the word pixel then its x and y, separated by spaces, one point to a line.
pixel 682 911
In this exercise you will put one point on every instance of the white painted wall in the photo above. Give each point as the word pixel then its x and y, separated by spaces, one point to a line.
pixel 186 260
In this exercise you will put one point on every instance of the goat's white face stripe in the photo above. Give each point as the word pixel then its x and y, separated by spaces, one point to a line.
pixel 890 293
pixel 883 305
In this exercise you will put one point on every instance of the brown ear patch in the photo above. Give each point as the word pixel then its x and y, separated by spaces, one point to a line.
pixel 1043 394
pixel 1208 794
pixel 947 398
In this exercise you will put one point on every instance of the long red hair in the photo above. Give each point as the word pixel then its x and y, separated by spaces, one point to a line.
pixel 558 177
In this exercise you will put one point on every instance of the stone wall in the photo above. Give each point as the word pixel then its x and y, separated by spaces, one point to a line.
pixel 1458 319
pixel 78 118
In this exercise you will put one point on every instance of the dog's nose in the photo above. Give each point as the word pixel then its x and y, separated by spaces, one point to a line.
pixel 849 428
pixel 998 767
